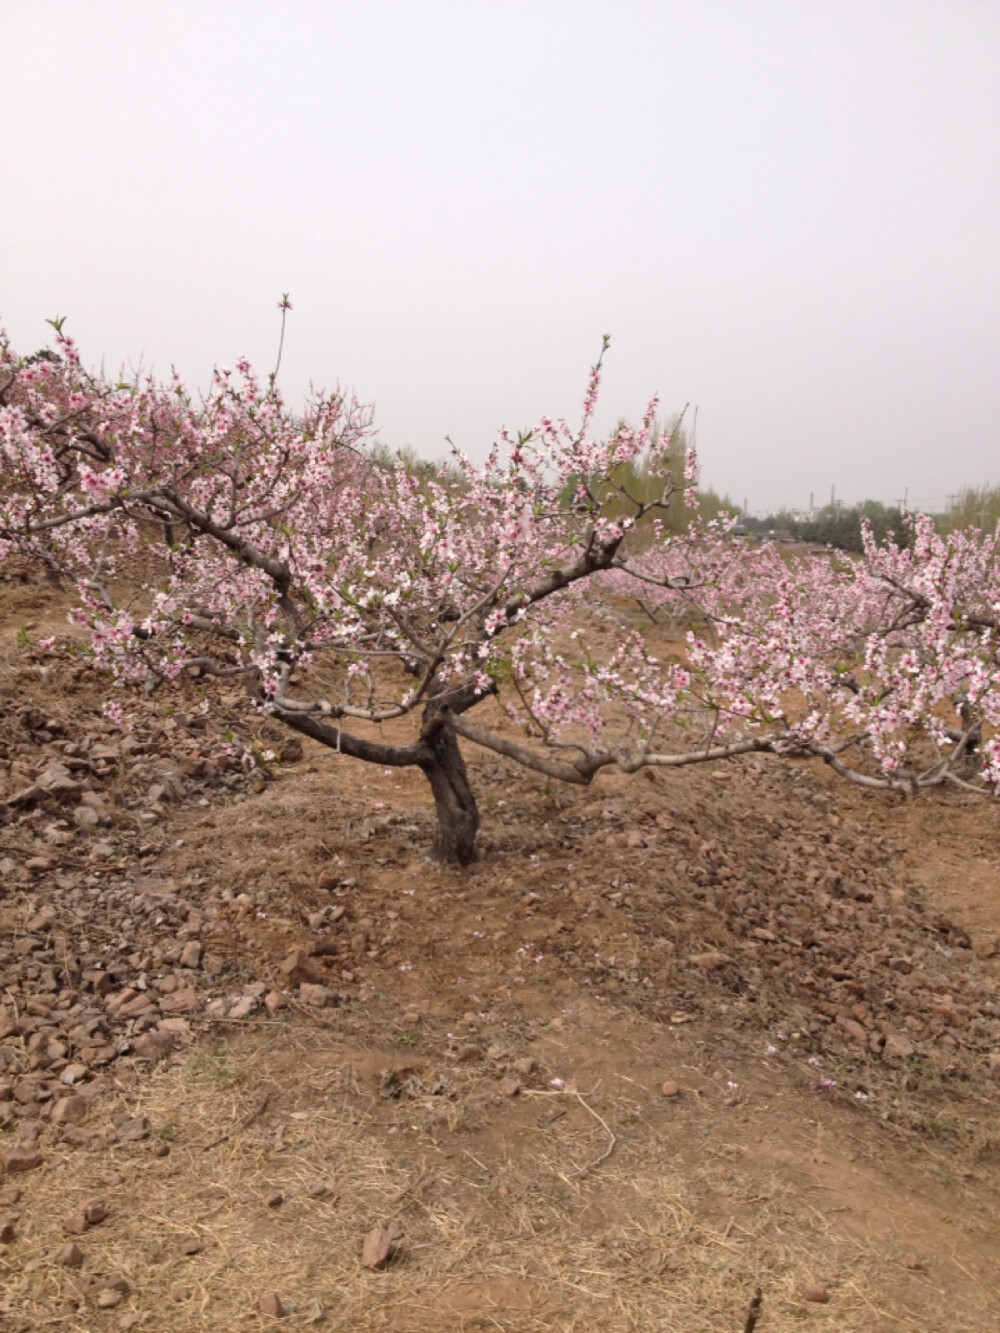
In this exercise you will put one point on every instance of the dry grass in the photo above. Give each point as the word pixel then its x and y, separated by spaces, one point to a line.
pixel 504 1228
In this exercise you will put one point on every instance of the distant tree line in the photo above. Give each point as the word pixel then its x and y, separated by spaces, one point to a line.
pixel 973 507
pixel 644 480
pixel 834 525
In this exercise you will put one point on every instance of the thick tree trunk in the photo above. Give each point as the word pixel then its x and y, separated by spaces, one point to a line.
pixel 436 752
pixel 457 812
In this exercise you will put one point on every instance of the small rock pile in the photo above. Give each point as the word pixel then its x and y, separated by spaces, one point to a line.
pixel 815 927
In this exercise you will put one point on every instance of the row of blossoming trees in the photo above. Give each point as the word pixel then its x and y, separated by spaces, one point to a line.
pixel 391 614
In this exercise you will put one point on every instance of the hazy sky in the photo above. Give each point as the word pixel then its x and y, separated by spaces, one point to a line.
pixel 787 214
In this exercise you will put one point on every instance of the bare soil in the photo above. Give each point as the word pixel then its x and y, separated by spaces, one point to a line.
pixel 672 1038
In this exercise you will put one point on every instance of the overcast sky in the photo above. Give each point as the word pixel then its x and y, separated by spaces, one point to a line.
pixel 787 214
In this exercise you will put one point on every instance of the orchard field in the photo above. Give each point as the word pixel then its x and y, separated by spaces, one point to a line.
pixel 674 974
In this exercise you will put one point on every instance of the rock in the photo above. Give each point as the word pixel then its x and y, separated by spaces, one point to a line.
pixel 182 1001
pixel 73 1074
pixel 510 1087
pixel 177 1026
pixel 994 1062
pixel 274 1000
pixel 22 1159
pixel 108 1298
pixel 99 1055
pixel 9 1197
pixel 709 961
pixel 98 980
pixel 852 1028
pixel 243 1006
pixel 310 1311
pixel 310 993
pixel 134 1129
pixel 74 1136
pixel 86 818
pixel 75 1225
pixel 70 1256
pixel 275 1199
pixel 8 1231
pixel 42 921
pixel 95 1212
pixel 29 1132
pixel 70 1111
pixel 55 781
pixel 379 1247
pixel 154 1045
pixel 180 1293
pixel 670 1089
pixel 191 954
pixel 298 968
pixel 898 1045
pixel 128 1322
pixel 817 1294
pixel 411 1018
pixel 273 1306
pixel 525 1066
pixel 324 949
pixel 191 1246
pixel 319 1189
pixel 469 1053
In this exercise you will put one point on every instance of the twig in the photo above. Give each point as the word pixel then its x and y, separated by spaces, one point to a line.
pixel 247 1022
pixel 566 1092
pixel 414 1185
pixel 592 1166
pixel 753 1314
pixel 245 1123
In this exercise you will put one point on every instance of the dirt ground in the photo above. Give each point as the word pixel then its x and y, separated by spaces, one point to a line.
pixel 671 1039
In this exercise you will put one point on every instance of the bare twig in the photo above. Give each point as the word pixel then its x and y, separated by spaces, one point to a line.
pixel 245 1123
pixel 566 1092
pixel 753 1314
pixel 592 1166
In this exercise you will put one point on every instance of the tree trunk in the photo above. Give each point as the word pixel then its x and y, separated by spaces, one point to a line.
pixel 457 812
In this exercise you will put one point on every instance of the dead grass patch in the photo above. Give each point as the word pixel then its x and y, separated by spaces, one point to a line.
pixel 501 1231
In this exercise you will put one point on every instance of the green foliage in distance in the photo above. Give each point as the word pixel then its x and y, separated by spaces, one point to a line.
pixel 834 525
pixel 973 507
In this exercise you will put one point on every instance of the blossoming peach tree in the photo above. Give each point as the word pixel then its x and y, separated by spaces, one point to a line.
pixel 390 612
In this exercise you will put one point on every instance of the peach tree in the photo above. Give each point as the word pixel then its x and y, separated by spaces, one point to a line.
pixel 392 612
